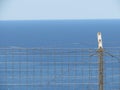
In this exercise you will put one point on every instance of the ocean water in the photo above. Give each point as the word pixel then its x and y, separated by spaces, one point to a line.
pixel 59 33
pixel 29 60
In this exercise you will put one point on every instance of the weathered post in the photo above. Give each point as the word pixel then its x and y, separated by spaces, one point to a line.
pixel 101 62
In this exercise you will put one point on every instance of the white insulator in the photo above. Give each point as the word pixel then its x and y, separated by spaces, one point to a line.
pixel 100 45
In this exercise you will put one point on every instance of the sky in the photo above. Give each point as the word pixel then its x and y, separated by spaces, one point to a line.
pixel 59 9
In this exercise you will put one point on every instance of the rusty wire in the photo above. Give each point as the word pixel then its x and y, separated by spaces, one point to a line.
pixel 57 69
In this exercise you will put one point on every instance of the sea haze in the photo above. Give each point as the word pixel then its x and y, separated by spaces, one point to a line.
pixel 59 33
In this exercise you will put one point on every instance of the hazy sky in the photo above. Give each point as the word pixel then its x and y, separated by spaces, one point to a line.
pixel 59 9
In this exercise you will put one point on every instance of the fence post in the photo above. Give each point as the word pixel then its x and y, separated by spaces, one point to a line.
pixel 100 56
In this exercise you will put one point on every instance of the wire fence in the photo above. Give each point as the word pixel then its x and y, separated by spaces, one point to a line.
pixel 57 69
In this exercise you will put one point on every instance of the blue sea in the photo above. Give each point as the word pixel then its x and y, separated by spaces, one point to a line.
pixel 59 33
pixel 58 54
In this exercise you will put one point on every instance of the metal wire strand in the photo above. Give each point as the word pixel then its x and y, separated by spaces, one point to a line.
pixel 57 69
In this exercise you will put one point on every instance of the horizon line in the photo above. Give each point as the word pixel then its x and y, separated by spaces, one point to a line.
pixel 60 19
